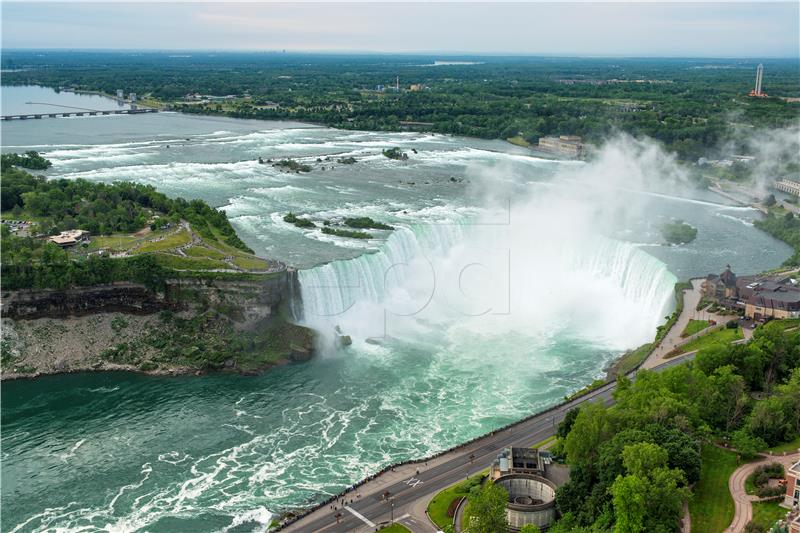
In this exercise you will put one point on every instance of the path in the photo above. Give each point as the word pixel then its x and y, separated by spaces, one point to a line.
pixel 673 339
pixel 744 501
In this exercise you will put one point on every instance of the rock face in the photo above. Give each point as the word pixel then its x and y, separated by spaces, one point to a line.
pixel 117 297
pixel 194 324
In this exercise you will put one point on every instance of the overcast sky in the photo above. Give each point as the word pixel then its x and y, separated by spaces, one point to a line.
pixel 739 29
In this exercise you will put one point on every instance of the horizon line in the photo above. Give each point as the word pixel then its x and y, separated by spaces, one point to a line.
pixel 278 51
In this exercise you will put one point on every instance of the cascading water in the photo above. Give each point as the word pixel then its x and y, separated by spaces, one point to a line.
pixel 597 287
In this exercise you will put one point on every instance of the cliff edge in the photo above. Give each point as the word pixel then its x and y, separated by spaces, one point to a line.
pixel 192 326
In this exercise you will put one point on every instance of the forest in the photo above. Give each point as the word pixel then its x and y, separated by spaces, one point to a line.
pixel 689 105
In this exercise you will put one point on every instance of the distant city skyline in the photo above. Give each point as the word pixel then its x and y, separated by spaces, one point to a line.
pixel 684 29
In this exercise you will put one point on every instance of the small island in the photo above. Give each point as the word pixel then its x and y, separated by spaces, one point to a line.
pixel 290 165
pixel 678 232
pixel 366 223
pixel 329 228
pixel 395 153
pixel 291 218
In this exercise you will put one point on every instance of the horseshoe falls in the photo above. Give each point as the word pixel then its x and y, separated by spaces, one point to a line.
pixel 433 280
pixel 463 318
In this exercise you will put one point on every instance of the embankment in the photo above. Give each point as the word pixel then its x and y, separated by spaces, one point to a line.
pixel 193 325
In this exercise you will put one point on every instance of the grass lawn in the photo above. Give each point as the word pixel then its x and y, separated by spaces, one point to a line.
pixel 396 528
pixel 188 263
pixel 718 336
pixel 695 326
pixel 749 486
pixel 179 238
pixel 116 242
pixel 711 507
pixel 202 251
pixel 545 442
pixel 249 262
pixel 786 447
pixel 631 360
pixel 438 506
pixel 767 513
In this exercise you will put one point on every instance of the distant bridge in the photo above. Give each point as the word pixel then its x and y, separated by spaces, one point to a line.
pixel 80 112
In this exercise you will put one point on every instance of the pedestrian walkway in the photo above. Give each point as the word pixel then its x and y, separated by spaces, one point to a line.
pixel 673 339
pixel 744 501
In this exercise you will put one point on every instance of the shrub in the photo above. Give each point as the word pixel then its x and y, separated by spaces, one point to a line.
pixel 118 323
pixel 753 527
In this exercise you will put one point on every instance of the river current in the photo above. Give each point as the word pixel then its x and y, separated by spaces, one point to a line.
pixel 508 282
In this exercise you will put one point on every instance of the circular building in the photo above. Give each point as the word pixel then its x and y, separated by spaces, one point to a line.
pixel 531 500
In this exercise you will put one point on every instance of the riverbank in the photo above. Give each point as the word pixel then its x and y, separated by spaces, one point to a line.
pixel 193 327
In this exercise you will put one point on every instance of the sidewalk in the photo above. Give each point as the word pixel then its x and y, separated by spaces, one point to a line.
pixel 673 339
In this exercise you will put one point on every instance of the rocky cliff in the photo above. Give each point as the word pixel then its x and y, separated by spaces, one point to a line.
pixel 193 325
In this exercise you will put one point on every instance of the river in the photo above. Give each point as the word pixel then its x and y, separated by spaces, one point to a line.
pixel 508 282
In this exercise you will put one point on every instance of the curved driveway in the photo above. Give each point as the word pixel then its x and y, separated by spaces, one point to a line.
pixel 744 501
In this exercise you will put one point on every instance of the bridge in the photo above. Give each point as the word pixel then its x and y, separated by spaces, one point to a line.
pixel 78 112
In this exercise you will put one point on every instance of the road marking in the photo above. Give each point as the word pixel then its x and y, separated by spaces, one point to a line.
pixel 413 482
pixel 360 516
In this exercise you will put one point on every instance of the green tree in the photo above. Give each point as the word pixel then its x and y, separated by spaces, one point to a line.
pixel 642 458
pixel 630 501
pixel 487 505
pixel 591 428
pixel 650 497
pixel 530 528
pixel 746 444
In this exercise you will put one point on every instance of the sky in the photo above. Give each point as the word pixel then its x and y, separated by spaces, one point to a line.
pixel 681 29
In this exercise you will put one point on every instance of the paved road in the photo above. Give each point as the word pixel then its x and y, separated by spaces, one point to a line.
pixel 744 501
pixel 410 491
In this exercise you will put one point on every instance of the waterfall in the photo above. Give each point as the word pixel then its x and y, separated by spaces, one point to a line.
pixel 419 282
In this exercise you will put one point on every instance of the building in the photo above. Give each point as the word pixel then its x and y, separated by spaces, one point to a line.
pixel 520 461
pixel 788 186
pixel 722 287
pixel 416 87
pixel 132 97
pixel 70 237
pixel 758 297
pixel 120 94
pixel 771 299
pixel 531 478
pixel 568 145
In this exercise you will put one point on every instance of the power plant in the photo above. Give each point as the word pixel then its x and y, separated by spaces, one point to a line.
pixel 759 76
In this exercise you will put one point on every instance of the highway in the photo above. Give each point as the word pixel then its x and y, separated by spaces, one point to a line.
pixel 412 486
